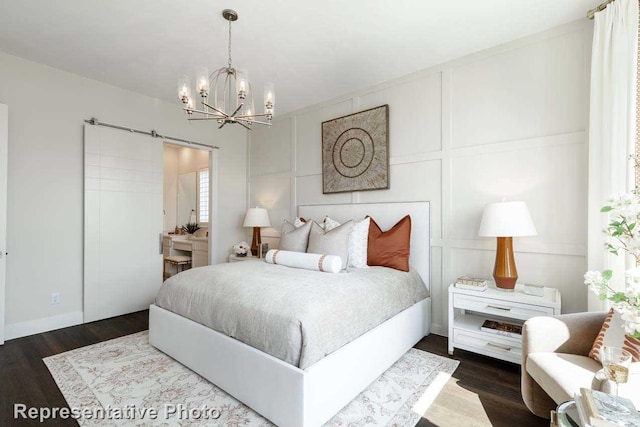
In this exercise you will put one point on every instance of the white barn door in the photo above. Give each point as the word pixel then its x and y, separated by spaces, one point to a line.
pixel 4 144
pixel 122 222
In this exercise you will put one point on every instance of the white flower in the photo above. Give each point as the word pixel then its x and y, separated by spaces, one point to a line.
pixel 241 248
pixel 631 317
pixel 623 307
pixel 625 205
pixel 593 277
pixel 633 275
pixel 597 284
pixel 632 290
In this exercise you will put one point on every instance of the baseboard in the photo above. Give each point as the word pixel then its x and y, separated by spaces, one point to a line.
pixel 439 329
pixel 31 327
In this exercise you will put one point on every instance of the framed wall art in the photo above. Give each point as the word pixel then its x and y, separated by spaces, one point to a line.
pixel 355 151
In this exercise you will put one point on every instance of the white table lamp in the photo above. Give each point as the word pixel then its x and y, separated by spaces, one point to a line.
pixel 256 218
pixel 506 220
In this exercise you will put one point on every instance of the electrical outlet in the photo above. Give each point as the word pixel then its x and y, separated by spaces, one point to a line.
pixel 55 298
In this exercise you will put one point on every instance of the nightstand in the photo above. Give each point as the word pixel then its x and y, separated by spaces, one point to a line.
pixel 236 258
pixel 468 309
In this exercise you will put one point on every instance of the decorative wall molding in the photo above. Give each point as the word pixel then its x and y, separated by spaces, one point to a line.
pixel 543 161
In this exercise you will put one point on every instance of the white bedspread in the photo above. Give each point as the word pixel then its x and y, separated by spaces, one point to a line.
pixel 298 316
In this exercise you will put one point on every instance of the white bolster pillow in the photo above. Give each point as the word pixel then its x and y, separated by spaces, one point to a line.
pixel 316 262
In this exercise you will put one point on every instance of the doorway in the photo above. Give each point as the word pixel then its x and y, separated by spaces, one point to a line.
pixel 186 207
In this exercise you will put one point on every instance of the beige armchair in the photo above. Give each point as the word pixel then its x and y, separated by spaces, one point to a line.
pixel 556 363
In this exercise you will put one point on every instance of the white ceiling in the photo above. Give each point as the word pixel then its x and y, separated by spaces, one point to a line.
pixel 312 50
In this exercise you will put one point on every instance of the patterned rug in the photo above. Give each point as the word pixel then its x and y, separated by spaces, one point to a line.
pixel 120 382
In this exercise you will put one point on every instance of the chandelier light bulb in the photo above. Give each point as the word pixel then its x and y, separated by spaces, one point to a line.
pixel 183 89
pixel 269 96
pixel 242 83
pixel 203 82
pixel 190 105
pixel 269 100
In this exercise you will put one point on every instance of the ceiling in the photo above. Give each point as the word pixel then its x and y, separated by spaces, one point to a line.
pixel 311 50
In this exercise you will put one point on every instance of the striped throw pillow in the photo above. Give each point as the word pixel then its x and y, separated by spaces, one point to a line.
pixel 612 334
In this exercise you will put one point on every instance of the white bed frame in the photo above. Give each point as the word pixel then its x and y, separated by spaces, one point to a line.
pixel 284 394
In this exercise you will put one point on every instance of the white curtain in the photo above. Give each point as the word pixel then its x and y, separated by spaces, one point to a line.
pixel 612 125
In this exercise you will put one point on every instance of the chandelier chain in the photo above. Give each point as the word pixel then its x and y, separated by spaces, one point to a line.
pixel 229 43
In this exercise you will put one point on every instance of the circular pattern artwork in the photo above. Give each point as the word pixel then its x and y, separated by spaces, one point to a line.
pixel 355 151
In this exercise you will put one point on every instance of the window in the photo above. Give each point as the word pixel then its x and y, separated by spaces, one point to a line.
pixel 203 196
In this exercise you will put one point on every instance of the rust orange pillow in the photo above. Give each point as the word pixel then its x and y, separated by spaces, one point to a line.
pixel 390 248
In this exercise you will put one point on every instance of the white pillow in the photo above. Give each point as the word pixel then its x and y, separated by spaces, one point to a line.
pixel 315 262
pixel 299 222
pixel 333 242
pixel 294 239
pixel 329 224
pixel 359 243
pixel 358 240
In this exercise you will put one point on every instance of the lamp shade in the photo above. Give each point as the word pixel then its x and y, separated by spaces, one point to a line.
pixel 257 217
pixel 506 219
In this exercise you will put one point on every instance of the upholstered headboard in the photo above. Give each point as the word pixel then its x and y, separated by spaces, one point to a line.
pixel 386 215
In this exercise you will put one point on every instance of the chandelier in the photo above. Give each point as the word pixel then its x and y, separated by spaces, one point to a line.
pixel 226 95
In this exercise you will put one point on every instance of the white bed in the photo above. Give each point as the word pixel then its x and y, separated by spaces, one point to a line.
pixel 285 394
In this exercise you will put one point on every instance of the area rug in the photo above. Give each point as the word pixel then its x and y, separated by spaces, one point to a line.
pixel 123 381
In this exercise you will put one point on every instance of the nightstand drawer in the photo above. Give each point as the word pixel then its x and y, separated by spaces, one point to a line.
pixel 509 309
pixel 489 344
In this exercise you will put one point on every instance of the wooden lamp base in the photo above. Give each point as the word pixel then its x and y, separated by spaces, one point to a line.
pixel 255 242
pixel 504 271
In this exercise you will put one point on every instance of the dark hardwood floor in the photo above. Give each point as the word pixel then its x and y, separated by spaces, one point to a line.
pixel 482 391
pixel 24 378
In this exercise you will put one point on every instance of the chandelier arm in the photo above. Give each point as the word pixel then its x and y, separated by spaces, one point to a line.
pixel 222 125
pixel 243 125
pixel 214 84
pixel 204 118
pixel 214 108
pixel 206 113
pixel 258 122
pixel 237 109
pixel 226 90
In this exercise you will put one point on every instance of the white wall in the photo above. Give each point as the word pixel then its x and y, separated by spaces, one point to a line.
pixel 170 187
pixel 47 108
pixel 192 160
pixel 506 122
